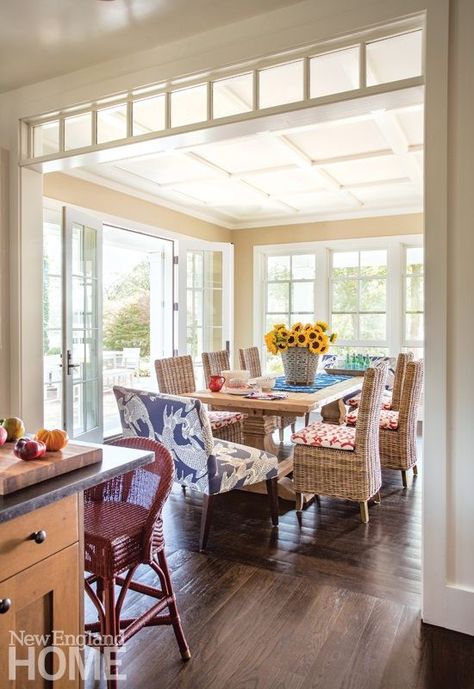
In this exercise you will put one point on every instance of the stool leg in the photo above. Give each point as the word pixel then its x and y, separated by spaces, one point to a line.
pixel 111 628
pixel 272 490
pixel 404 478
pixel 207 509
pixel 173 608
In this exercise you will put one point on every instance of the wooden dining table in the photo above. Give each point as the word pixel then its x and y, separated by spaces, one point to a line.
pixel 261 420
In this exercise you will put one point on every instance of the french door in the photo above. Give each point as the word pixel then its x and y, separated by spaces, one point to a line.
pixel 82 318
pixel 205 300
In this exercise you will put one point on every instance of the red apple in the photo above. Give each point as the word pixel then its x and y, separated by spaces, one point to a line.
pixel 3 436
pixel 26 448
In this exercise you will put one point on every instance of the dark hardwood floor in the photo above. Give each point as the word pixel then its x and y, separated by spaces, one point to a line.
pixel 329 603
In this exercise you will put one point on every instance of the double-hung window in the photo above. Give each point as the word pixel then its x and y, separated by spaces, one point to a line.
pixel 358 298
pixel 413 284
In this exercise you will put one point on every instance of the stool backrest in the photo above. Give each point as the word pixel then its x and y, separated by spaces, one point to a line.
pixel 180 424
pixel 410 399
pixel 250 361
pixel 175 375
pixel 213 363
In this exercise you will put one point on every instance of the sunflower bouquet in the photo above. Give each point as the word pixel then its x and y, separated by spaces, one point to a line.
pixel 314 336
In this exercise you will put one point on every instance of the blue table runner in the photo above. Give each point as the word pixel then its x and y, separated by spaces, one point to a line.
pixel 323 380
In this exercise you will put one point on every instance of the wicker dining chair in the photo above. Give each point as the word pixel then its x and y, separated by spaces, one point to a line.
pixel 203 463
pixel 249 359
pixel 213 363
pixel 175 376
pixel 343 461
pixel 123 529
pixel 390 399
pixel 398 445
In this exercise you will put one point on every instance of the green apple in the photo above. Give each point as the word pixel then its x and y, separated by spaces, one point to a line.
pixel 14 427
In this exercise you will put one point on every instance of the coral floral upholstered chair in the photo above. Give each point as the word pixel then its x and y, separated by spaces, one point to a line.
pixel 202 462
pixel 398 427
pixel 175 376
pixel 343 461
pixel 123 529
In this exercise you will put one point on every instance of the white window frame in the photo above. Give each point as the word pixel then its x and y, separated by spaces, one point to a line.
pixel 410 344
pixel 395 246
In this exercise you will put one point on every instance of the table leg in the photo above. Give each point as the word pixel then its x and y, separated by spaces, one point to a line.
pixel 334 412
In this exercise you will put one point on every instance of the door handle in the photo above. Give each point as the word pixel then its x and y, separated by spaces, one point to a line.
pixel 69 365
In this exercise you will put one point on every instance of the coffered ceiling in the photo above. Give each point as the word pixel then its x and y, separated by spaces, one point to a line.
pixel 369 164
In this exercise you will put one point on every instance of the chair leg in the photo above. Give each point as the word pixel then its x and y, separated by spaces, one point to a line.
pixel 299 502
pixel 173 608
pixel 183 488
pixel 272 490
pixel 306 419
pixel 404 478
pixel 415 470
pixel 364 511
pixel 207 509
pixel 293 427
pixel 377 498
pixel 282 434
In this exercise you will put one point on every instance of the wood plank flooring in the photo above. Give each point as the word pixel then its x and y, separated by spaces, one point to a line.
pixel 329 603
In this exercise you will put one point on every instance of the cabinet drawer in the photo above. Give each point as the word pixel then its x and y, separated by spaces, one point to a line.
pixel 18 550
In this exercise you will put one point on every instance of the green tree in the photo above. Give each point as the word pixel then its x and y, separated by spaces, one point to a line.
pixel 127 311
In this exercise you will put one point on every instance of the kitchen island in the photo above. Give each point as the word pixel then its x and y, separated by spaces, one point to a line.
pixel 41 573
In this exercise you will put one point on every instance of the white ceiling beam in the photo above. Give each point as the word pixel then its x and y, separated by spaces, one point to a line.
pixel 395 137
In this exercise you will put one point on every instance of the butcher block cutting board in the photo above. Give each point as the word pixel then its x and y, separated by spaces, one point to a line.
pixel 16 474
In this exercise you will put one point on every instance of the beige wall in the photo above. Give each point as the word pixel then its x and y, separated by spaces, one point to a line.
pixel 95 197
pixel 245 240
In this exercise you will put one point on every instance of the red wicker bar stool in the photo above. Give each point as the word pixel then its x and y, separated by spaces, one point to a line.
pixel 124 529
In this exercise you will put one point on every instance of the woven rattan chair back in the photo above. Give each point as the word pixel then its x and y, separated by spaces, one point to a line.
pixel 402 361
pixel 367 429
pixel 175 375
pixel 250 361
pixel 214 363
pixel 410 399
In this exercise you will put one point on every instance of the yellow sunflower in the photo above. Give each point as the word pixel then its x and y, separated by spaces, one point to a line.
pixel 314 347
pixel 308 326
pixel 291 340
pixel 323 325
pixel 301 339
pixel 297 327
pixel 312 335
pixel 279 326
pixel 282 346
pixel 283 333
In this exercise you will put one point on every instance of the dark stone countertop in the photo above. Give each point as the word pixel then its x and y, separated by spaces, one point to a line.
pixel 115 461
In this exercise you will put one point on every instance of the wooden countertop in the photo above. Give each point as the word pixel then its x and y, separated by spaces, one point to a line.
pixel 115 461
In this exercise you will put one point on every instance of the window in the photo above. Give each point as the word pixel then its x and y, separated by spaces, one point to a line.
pixel 358 297
pixel 289 289
pixel 370 291
pixel 413 299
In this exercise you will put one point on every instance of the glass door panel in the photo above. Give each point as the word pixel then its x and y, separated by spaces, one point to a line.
pixel 83 333
pixel 206 287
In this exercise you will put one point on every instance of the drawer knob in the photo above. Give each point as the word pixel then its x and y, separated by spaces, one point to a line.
pixel 38 536
pixel 5 605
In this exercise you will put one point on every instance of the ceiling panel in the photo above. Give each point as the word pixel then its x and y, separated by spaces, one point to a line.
pixel 250 153
pixel 163 169
pixel 394 194
pixel 340 139
pixel 319 201
pixel 380 168
pixel 411 122
pixel 285 181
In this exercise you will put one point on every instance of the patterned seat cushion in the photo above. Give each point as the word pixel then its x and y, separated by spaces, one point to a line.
pixel 239 465
pixel 326 435
pixel 386 401
pixel 388 419
pixel 221 419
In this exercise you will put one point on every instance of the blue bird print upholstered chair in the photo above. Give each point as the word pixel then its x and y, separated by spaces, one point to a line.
pixel 202 462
